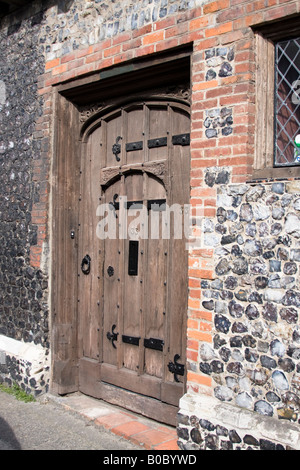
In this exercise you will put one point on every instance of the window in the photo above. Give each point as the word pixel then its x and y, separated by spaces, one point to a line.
pixel 277 134
pixel 287 103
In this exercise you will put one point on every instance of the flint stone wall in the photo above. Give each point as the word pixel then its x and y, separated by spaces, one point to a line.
pixel 23 286
pixel 76 24
pixel 254 359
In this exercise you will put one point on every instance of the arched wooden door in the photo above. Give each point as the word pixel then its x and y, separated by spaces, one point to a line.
pixel 132 275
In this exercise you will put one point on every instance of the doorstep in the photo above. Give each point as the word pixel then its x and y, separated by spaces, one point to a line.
pixel 141 431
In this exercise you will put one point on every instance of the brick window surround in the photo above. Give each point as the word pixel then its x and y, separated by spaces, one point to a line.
pixel 267 36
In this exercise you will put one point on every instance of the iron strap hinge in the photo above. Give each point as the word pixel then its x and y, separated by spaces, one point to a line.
pixel 153 343
pixel 160 142
pixel 134 146
pixel 181 139
pixel 175 368
pixel 131 340
pixel 150 343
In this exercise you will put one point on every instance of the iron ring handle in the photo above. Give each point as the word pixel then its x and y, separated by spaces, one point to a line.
pixel 86 264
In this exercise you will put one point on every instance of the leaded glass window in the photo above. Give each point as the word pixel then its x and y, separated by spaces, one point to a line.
pixel 287 102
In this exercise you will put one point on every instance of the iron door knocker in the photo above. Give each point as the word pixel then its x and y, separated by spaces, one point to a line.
pixel 86 264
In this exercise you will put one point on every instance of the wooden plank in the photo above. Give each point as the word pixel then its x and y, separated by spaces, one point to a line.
pixel 136 77
pixel 64 248
pixel 155 260
pixel 282 172
pixel 134 131
pixel 159 126
pixel 89 375
pixel 89 285
pixel 178 254
pixel 114 131
pixel 172 392
pixel 269 97
pixel 111 284
pixel 128 379
pixel 145 406
pixel 260 153
pixel 132 285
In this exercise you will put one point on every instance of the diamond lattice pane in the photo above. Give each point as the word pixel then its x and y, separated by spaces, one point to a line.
pixel 287 102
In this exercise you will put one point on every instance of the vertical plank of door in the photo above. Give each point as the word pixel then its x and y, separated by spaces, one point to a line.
pixel 134 124
pixel 155 280
pixel 133 285
pixel 111 274
pixel 158 127
pixel 96 245
pixel 177 282
pixel 64 249
pixel 89 285
pixel 113 136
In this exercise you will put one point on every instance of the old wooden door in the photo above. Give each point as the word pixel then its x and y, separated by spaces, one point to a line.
pixel 132 274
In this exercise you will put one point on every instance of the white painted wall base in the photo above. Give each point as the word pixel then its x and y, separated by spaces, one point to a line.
pixel 27 364
pixel 219 419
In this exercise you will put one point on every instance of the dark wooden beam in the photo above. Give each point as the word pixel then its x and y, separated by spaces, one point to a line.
pixel 136 77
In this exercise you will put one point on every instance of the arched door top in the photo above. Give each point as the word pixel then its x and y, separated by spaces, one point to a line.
pixel 140 136
pixel 95 115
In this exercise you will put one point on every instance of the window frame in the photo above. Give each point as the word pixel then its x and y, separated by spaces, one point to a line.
pixel 266 37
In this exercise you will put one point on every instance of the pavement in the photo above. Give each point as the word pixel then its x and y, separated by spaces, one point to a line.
pixel 78 422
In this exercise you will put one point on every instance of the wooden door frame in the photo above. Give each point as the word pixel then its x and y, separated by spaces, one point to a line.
pixel 69 123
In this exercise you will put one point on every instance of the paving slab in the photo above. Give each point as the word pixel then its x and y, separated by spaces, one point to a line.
pixel 138 430
pixel 47 425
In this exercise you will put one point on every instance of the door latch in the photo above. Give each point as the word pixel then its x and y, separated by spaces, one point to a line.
pixel 112 336
pixel 175 368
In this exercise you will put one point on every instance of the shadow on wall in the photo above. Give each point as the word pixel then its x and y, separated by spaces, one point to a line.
pixel 64 7
pixel 8 439
pixel 7 7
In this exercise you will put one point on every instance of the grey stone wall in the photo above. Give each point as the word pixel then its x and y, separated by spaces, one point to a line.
pixel 255 297
pixel 23 289
pixel 254 359
pixel 76 24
